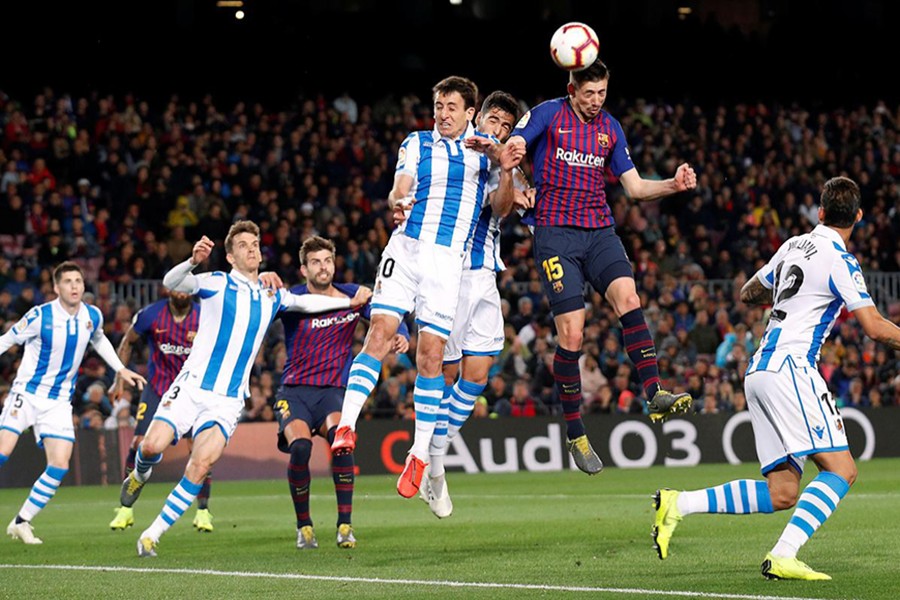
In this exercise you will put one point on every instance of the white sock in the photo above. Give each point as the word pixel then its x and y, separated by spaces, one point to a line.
pixel 364 372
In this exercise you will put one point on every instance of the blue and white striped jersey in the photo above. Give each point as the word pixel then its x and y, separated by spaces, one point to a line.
pixel 234 316
pixel 811 277
pixel 54 343
pixel 484 247
pixel 450 184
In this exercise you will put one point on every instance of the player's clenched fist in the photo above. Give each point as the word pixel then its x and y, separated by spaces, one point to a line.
pixel 361 297
pixel 685 178
pixel 202 250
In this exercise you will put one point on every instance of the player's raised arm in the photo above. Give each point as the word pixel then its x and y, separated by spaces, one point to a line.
pixel 314 303
pixel 398 198
pixel 645 190
pixel 180 278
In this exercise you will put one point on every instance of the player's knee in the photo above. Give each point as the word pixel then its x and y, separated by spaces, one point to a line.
pixel 571 340
pixel 783 497
pixel 301 450
pixel 627 303
pixel 151 448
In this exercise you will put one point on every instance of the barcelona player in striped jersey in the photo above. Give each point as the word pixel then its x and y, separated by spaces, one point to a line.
pixel 168 326
pixel 208 394
pixel 55 336
pixel 572 143
pixel 308 402
pixel 477 335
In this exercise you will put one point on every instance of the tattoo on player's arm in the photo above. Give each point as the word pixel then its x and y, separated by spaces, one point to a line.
pixel 753 292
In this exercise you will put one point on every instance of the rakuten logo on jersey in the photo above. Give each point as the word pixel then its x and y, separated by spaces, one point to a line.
pixel 174 349
pixel 329 321
pixel 575 158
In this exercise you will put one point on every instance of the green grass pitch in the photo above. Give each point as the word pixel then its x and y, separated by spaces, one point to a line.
pixel 523 535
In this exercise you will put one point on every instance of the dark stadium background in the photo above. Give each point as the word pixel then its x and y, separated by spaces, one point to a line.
pixel 828 51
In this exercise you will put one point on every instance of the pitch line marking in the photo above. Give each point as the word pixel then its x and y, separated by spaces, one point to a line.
pixel 435 583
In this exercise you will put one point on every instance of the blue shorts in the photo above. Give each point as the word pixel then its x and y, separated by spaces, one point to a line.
pixel 308 403
pixel 567 257
pixel 146 409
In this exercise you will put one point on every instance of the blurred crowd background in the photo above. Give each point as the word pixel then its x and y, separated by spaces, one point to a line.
pixel 124 185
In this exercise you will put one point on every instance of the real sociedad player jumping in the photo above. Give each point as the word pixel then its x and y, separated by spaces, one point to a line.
pixel 308 402
pixel 208 394
pixel 55 336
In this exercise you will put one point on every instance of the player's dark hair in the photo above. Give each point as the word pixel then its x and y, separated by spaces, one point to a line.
pixel 466 88
pixel 238 228
pixel 314 244
pixel 65 267
pixel 502 101
pixel 596 72
pixel 840 202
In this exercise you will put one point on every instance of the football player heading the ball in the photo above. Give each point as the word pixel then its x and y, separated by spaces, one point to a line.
pixel 572 142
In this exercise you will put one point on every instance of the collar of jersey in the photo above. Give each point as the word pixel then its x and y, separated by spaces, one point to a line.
pixel 57 306
pixel 241 279
pixel 436 135
pixel 831 234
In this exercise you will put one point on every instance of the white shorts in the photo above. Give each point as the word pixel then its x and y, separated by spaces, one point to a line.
pixel 421 277
pixel 49 418
pixel 793 415
pixel 478 327
pixel 185 406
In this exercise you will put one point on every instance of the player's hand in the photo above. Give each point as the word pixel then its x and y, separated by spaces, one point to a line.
pixel 131 378
pixel 398 212
pixel 116 389
pixel 480 144
pixel 202 250
pixel 524 200
pixel 400 345
pixel 685 178
pixel 511 156
pixel 270 279
pixel 363 294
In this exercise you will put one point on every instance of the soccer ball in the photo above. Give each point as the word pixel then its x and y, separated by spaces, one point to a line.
pixel 574 46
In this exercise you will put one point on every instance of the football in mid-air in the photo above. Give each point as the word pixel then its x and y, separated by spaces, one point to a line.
pixel 574 46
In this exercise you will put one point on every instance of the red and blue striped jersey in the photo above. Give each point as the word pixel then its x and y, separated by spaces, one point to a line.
pixel 170 341
pixel 320 346
pixel 570 159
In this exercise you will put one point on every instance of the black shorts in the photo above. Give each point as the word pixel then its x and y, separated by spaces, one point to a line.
pixel 567 257
pixel 308 403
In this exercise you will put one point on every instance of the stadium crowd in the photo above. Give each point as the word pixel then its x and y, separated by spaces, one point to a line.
pixel 123 186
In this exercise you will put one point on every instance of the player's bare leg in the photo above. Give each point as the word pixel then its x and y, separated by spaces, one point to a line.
pixel 364 373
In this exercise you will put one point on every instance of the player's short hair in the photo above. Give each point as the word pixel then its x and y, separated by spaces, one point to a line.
pixel 596 72
pixel 840 202
pixel 238 228
pixel 466 88
pixel 502 101
pixel 314 244
pixel 66 267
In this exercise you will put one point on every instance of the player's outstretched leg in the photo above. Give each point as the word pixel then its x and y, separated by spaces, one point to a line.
pixel 176 504
pixel 819 499
pixel 427 397
pixel 740 497
pixel 298 481
pixel 364 372
pixel 343 475
pixel 203 518
pixel 134 482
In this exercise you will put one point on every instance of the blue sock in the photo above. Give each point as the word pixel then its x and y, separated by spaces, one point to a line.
pixel 817 502
pixel 740 497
